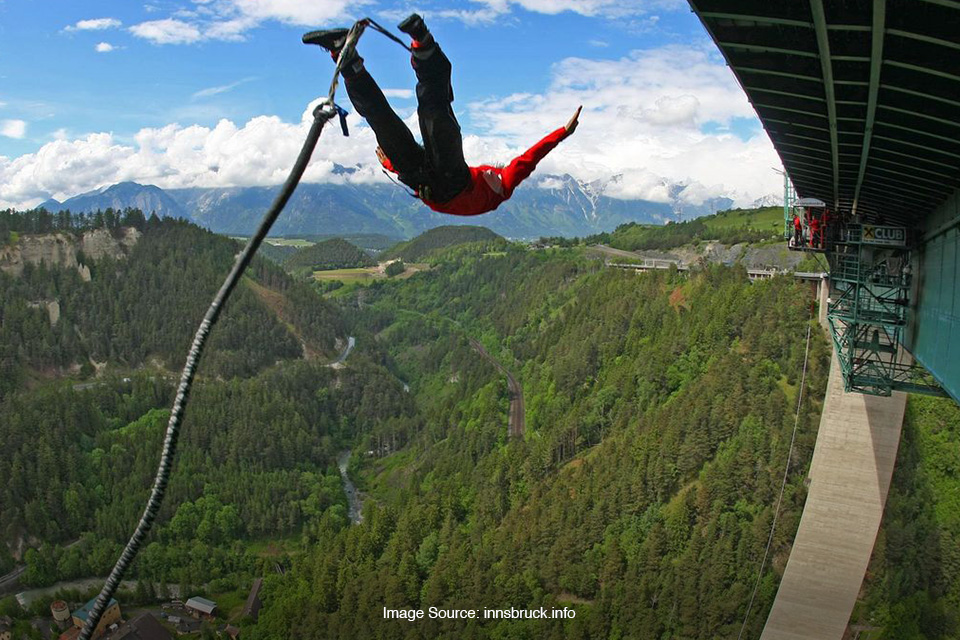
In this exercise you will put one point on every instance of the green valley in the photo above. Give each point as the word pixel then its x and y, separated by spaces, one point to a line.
pixel 659 413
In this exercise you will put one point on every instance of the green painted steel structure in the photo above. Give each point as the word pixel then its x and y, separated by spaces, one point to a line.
pixel 871 283
pixel 861 99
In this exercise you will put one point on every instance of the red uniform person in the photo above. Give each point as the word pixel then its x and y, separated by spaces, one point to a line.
pixel 816 240
pixel 827 229
pixel 491 185
pixel 435 170
pixel 797 231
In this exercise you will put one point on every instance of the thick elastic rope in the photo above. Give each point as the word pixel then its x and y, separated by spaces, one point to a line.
pixel 321 115
pixel 379 28
pixel 783 486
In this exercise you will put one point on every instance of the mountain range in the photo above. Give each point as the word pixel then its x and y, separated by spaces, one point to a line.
pixel 567 207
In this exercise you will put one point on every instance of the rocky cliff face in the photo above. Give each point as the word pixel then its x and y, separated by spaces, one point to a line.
pixel 61 250
pixel 101 243
pixel 769 256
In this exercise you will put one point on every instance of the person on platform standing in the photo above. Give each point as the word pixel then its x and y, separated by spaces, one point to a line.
pixel 797 231
pixel 816 240
pixel 827 227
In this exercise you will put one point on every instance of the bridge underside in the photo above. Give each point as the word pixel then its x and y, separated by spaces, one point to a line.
pixel 861 98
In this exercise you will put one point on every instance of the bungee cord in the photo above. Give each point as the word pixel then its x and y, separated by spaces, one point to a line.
pixel 323 113
pixel 783 486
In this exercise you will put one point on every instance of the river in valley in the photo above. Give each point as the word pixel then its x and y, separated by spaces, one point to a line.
pixel 353 497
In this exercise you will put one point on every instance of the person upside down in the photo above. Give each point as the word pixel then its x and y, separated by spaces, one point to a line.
pixel 436 171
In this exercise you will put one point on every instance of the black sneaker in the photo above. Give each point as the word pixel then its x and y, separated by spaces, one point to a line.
pixel 330 39
pixel 414 27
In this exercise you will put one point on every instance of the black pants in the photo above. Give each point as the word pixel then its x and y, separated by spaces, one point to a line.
pixel 437 169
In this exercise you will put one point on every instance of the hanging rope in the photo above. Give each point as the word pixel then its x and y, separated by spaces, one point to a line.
pixel 783 486
pixel 322 114
pixel 373 23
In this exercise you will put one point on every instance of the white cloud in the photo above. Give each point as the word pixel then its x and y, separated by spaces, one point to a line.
pixel 471 17
pixel 296 11
pixel 96 24
pixel 213 91
pixel 260 152
pixel 405 94
pixel 230 20
pixel 666 111
pixel 645 120
pixel 167 31
pixel 642 119
pixel 583 7
pixel 490 10
pixel 231 30
pixel 13 128
pixel 104 47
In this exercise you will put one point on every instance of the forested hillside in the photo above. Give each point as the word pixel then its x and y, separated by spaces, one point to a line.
pixel 145 308
pixel 658 414
pixel 257 461
pixel 80 446
pixel 441 238
pixel 335 253
pixel 727 227
pixel 912 586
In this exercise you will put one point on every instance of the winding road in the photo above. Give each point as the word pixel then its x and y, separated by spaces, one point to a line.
pixel 351 342
pixel 516 423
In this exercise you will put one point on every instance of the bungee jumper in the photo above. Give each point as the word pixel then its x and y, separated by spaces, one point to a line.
pixel 436 171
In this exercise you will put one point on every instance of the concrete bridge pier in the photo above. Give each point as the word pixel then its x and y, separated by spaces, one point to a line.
pixel 849 478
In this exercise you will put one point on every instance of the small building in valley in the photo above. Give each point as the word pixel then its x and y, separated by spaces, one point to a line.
pixel 201 608
pixel 61 613
pixel 110 615
pixel 186 625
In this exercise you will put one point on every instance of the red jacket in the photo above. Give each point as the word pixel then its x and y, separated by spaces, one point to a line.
pixel 490 185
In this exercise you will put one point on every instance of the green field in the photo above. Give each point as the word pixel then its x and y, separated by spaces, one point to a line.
pixel 768 218
pixel 366 275
pixel 290 242
pixel 362 275
pixel 279 242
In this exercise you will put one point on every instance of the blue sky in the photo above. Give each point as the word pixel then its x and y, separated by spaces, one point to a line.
pixel 164 90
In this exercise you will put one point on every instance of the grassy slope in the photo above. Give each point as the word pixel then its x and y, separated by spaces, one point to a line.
pixel 437 239
pixel 335 253
pixel 766 219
